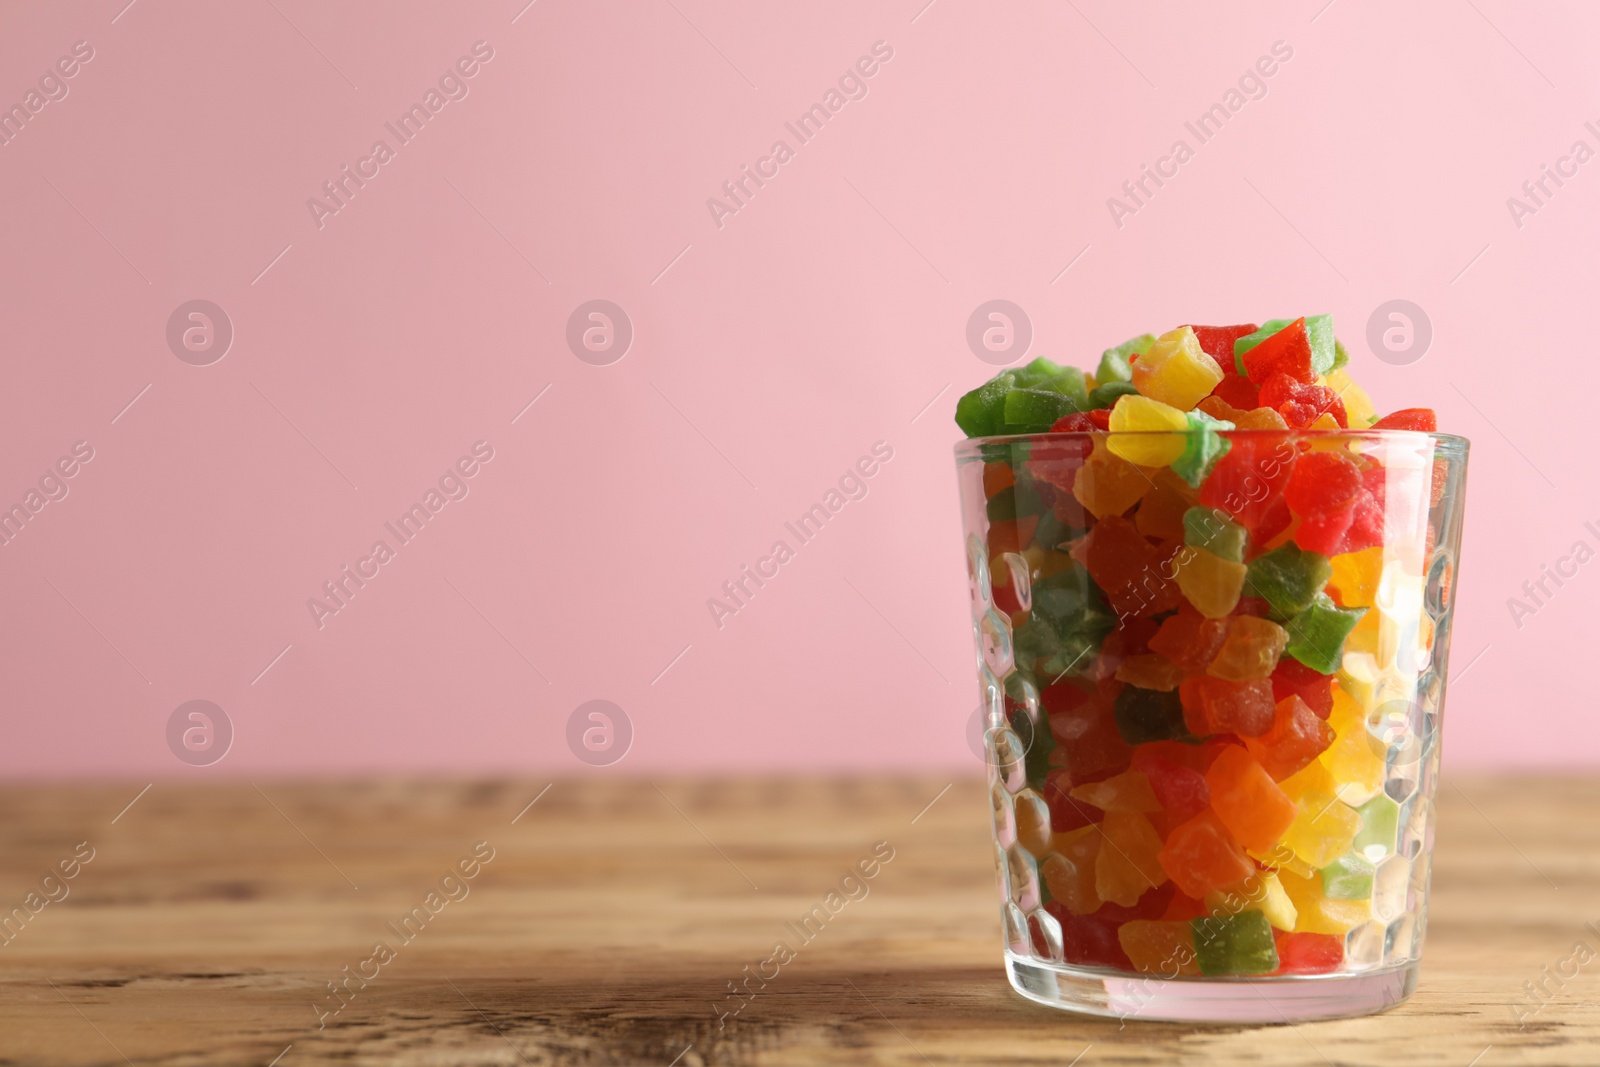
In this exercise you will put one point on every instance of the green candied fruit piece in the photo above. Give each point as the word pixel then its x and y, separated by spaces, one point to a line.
pixel 1324 346
pixel 1034 640
pixel 1380 827
pixel 981 413
pixel 1340 356
pixel 1149 715
pixel 1288 579
pixel 1202 447
pixel 1036 373
pixel 1212 530
pixel 1105 396
pixel 1316 635
pixel 1036 410
pixel 1250 340
pixel 1077 653
pixel 1051 376
pixel 1114 361
pixel 1040 741
pixel 1348 878
pixel 1234 944
pixel 1017 500
pixel 1068 621
pixel 1052 530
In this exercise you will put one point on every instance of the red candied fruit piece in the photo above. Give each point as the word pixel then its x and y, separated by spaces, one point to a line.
pixel 1325 534
pixel 1441 481
pixel 1004 596
pixel 1195 757
pixel 1076 422
pixel 1253 605
pixel 1322 483
pixel 1274 522
pixel 1012 535
pixel 1065 812
pixel 1375 479
pixel 1183 908
pixel 1366 525
pixel 1101 417
pixel 1409 419
pixel 1243 708
pixel 1248 481
pixel 1194 711
pixel 1056 463
pixel 1297 737
pixel 997 477
pixel 1180 790
pixel 1286 352
pixel 1301 404
pixel 1323 491
pixel 1237 391
pixel 1308 953
pixel 1151 905
pixel 1291 678
pixel 1217 341
pixel 1130 638
pixel 1088 940
pixel 1130 571
pixel 1189 640
pixel 1086 728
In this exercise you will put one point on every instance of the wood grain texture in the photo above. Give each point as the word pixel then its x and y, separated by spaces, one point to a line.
pixel 615 911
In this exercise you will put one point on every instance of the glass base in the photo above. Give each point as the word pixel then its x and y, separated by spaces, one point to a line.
pixel 1210 1000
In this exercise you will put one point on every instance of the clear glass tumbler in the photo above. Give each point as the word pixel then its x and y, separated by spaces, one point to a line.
pixel 1212 712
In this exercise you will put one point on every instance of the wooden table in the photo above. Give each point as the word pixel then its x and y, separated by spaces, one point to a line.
pixel 211 918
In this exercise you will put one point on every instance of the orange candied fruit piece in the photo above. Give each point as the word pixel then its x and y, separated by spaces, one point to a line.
pixel 1247 800
pixel 1155 946
pixel 1200 856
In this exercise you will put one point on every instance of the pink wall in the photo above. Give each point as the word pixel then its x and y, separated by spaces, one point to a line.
pixel 771 349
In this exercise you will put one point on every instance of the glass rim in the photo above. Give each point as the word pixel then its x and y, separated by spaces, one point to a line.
pixel 1445 442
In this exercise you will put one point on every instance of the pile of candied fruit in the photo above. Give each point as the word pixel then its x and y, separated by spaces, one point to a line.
pixel 1198 787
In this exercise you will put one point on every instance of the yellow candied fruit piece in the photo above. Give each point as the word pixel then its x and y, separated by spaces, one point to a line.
pixel 1366 637
pixel 1150 671
pixel 1052 563
pixel 1219 408
pixel 1210 583
pixel 1160 514
pixel 1063 840
pixel 1356 576
pixel 1176 371
pixel 1315 913
pixel 1260 892
pixel 1107 484
pixel 1355 759
pixel 1357 404
pixel 1127 866
pixel 1033 823
pixel 1042 563
pixel 1128 791
pixel 1312 778
pixel 1323 829
pixel 1261 419
pixel 1254 419
pixel 1281 858
pixel 1156 946
pixel 1134 413
pixel 1325 421
pixel 1358 680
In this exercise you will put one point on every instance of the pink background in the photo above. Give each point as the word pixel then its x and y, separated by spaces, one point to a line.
pixel 768 354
